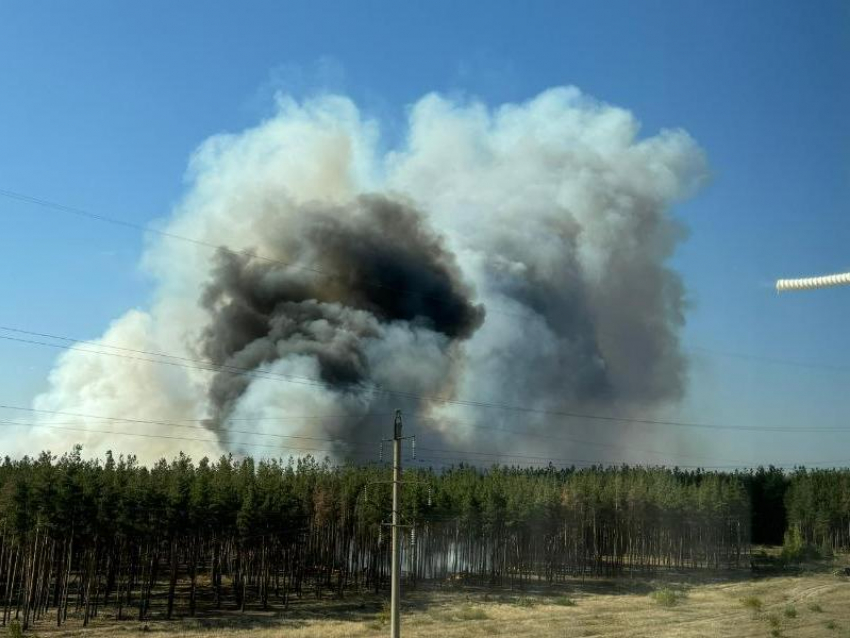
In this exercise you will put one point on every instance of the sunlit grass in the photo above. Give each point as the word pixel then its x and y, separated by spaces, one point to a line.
pixel 720 610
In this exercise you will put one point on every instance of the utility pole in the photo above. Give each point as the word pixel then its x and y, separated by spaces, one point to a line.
pixel 395 523
pixel 395 595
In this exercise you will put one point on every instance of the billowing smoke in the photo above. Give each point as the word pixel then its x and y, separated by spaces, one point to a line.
pixel 516 255
pixel 375 266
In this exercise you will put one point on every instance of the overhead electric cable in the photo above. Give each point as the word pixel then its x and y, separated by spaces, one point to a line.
pixel 312 381
pixel 168 437
pixel 213 429
pixel 781 284
pixel 244 252
pixel 476 453
pixel 612 446
pixel 331 440
pixel 771 360
pixel 565 463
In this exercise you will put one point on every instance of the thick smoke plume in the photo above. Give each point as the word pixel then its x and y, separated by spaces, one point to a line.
pixel 516 255
pixel 375 265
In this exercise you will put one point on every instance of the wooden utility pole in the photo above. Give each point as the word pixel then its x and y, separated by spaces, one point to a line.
pixel 395 595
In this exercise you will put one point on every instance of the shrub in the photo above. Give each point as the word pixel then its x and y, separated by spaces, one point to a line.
pixel 468 612
pixel 792 546
pixel 795 549
pixel 15 630
pixel 667 597
pixel 383 616
pixel 815 607
pixel 830 624
pixel 752 602
pixel 790 611
pixel 564 601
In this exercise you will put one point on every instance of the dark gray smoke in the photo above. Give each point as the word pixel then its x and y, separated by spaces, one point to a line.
pixel 372 263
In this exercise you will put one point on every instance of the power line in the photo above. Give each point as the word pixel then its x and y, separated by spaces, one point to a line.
pixel 250 371
pixel 437 454
pixel 771 360
pixel 144 421
pixel 582 442
pixel 245 252
pixel 711 426
pixel 217 442
pixel 613 464
pixel 212 428
pixel 177 424
pixel 146 228
pixel 568 439
pixel 526 434
pixel 200 363
pixel 312 381
pixel 628 448
pixel 581 463
pixel 434 451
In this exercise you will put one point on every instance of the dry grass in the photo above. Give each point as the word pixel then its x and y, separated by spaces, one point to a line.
pixel 819 604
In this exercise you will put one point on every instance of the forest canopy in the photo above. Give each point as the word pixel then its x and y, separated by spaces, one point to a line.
pixel 78 535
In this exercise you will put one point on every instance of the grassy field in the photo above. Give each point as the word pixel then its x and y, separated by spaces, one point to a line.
pixel 813 603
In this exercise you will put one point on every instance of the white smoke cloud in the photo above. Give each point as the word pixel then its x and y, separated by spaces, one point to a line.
pixel 557 216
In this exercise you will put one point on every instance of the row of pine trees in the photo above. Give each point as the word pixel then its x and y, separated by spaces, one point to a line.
pixel 818 505
pixel 79 538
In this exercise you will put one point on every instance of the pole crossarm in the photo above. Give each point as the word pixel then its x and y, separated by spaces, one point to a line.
pixel 402 482
pixel 810 283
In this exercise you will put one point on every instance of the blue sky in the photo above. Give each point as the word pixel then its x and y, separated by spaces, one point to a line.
pixel 101 104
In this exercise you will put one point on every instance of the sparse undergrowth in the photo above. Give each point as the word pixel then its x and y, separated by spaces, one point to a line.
pixel 811 606
pixel 564 601
pixel 667 597
pixel 752 602
pixel 382 618
pixel 469 612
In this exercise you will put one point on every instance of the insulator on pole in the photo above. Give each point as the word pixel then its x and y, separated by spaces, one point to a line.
pixel 365 494
pixel 381 453
pixel 413 444
pixel 810 283
pixel 429 496
pixel 413 536
pixel 380 537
